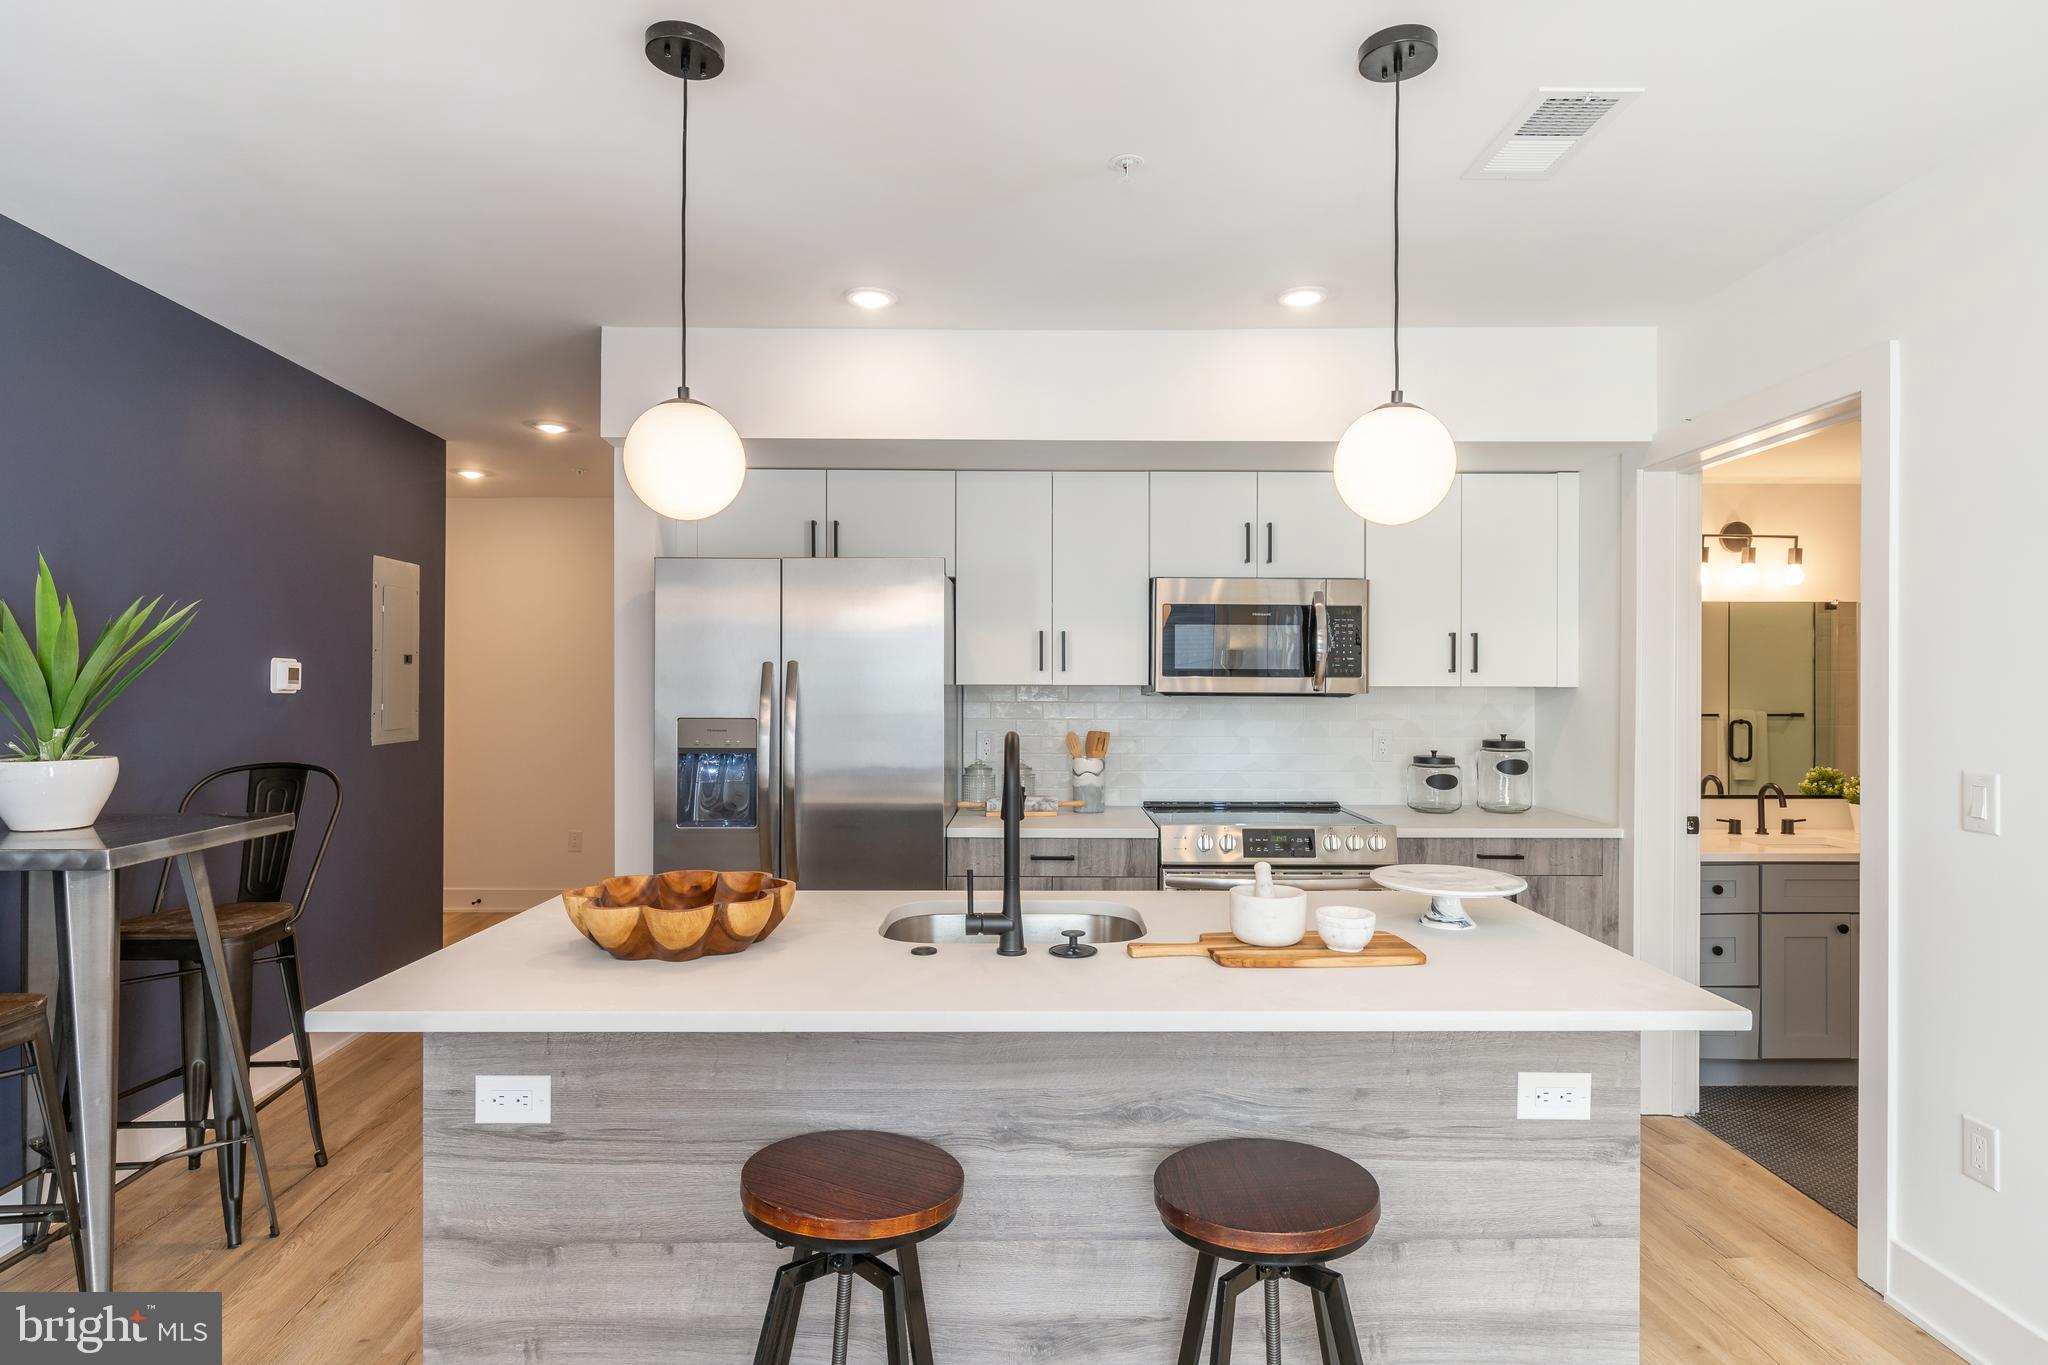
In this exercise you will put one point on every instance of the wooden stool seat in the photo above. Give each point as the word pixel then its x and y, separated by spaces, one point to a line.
pixel 19 1016
pixel 1260 1197
pixel 238 920
pixel 851 1186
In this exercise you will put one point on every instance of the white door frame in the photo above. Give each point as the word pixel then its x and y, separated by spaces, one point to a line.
pixel 1663 778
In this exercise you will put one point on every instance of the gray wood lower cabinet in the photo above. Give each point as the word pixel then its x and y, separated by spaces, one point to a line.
pixel 1809 985
pixel 613 1235
pixel 993 885
pixel 1062 864
pixel 1573 881
pixel 1735 1047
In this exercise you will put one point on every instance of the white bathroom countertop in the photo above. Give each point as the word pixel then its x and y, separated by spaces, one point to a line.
pixel 826 969
pixel 1113 822
pixel 1842 846
pixel 1470 822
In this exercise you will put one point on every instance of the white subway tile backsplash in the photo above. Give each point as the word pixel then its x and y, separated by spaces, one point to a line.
pixel 1163 748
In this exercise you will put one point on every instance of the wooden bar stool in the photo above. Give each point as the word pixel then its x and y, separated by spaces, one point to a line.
pixel 1280 1210
pixel 841 1199
pixel 24 1023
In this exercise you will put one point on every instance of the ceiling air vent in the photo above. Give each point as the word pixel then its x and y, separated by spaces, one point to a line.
pixel 1546 130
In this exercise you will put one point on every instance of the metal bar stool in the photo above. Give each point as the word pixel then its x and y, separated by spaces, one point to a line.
pixel 1280 1210
pixel 24 1024
pixel 841 1199
pixel 260 917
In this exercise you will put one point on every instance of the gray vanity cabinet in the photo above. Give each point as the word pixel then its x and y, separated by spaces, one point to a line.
pixel 1809 985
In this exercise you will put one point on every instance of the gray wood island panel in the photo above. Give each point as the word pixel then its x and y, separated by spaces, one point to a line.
pixel 614 1233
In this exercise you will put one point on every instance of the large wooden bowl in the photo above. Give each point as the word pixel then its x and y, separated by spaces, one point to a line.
pixel 676 916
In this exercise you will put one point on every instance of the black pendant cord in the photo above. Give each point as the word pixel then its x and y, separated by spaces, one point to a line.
pixel 1397 227
pixel 683 257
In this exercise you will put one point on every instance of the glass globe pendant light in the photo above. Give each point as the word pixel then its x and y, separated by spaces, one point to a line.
pixel 682 458
pixel 1396 462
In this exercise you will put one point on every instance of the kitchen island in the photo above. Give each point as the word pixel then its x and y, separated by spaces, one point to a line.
pixel 613 1232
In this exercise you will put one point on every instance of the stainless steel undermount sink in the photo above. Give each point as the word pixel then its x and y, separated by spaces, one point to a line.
pixel 1044 921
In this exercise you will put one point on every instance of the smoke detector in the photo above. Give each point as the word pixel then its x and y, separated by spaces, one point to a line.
pixel 1552 125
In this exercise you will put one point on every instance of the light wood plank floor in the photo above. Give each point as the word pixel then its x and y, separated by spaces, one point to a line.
pixel 1737 1265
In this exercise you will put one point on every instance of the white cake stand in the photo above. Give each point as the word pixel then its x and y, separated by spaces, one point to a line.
pixel 1447 889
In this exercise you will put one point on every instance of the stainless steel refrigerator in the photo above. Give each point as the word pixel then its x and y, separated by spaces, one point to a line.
pixel 805 719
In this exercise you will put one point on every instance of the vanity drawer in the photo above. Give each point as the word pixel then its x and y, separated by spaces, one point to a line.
pixel 1728 951
pixel 1058 858
pixel 1810 889
pixel 1734 1047
pixel 1728 888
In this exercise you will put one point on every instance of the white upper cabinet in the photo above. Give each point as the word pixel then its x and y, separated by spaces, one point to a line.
pixel 1509 591
pixel 1101 579
pixel 1482 592
pixel 888 513
pixel 1412 610
pixel 1202 525
pixel 1305 530
pixel 1003 599
pixel 779 514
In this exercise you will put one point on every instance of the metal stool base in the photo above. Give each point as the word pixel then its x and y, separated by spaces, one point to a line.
pixel 906 1332
pixel 1336 1334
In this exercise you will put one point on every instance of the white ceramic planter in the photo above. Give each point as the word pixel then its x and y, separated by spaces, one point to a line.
pixel 65 794
pixel 1856 816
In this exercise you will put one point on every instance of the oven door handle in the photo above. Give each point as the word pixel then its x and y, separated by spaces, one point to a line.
pixel 1319 610
pixel 1181 881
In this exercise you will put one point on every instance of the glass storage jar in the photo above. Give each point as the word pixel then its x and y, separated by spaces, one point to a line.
pixel 1501 777
pixel 978 783
pixel 1433 784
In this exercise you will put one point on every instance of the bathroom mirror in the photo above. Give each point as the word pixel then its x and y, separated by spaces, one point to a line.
pixel 1777 691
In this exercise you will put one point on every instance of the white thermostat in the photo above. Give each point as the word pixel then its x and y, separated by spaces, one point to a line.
pixel 284 675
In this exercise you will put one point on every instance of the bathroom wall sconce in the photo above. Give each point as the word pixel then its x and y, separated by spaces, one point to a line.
pixel 1739 540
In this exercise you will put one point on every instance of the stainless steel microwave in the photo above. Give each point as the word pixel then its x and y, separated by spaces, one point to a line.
pixel 1259 636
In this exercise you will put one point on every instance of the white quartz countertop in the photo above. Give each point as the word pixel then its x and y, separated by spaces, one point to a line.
pixel 1112 822
pixel 827 970
pixel 1841 846
pixel 1470 822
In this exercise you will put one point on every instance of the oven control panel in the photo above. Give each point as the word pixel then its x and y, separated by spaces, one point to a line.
pixel 1279 843
pixel 1347 845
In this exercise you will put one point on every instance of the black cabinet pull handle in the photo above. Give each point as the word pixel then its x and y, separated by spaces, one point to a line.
pixel 1454 651
pixel 1052 857
pixel 1247 542
pixel 1041 651
pixel 1719 950
pixel 835 540
pixel 814 538
pixel 1475 651
pixel 1500 857
pixel 1269 542
pixel 1063 651
pixel 1841 928
pixel 1717 888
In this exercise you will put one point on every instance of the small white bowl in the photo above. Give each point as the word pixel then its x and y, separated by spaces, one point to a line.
pixel 1345 928
pixel 1275 921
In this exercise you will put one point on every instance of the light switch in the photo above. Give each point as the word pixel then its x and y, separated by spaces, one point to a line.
pixel 1980 803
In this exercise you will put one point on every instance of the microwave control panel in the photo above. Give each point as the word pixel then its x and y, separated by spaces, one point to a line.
pixel 1347 642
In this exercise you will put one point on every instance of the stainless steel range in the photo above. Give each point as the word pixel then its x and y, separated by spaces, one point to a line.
pixel 1208 845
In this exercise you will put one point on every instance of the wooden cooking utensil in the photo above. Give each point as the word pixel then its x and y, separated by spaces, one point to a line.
pixel 1098 743
pixel 1073 745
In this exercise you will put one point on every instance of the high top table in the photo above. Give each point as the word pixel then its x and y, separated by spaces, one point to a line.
pixel 71 933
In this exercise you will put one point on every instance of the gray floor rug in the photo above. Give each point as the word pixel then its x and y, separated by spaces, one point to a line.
pixel 1803 1134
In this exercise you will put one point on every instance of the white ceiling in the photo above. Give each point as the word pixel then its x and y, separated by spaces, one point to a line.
pixel 1831 455
pixel 437 204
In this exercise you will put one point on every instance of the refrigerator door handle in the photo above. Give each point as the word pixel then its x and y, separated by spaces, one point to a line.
pixel 790 763
pixel 764 761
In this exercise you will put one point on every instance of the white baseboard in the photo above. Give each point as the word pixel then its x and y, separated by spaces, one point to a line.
pixel 1974 1327
pixel 495 899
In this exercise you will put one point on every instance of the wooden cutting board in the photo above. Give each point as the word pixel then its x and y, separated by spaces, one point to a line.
pixel 1385 950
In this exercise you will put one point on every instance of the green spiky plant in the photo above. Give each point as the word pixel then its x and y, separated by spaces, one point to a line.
pixel 60 696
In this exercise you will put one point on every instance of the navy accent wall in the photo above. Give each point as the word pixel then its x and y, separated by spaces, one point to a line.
pixel 147 450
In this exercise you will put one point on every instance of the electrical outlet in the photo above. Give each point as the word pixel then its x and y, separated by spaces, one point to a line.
pixel 985 745
pixel 1382 745
pixel 514 1099
pixel 1555 1095
pixel 1980 1152
pixel 575 841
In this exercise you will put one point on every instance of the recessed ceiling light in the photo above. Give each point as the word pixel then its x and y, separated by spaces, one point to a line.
pixel 1303 296
pixel 870 297
pixel 550 428
pixel 470 474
